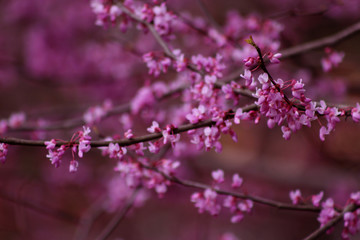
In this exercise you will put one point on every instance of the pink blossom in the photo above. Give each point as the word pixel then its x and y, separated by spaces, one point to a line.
pixel 168 166
pixel 228 236
pixel 3 126
pixel 163 20
pixel 333 59
pixel 128 134
pixel 56 156
pixel 246 205
pixel 237 217
pixel 327 213
pixel 274 58
pixel 84 141
pixel 249 62
pixel 249 79
pixel 16 120
pixel 295 196
pixel 143 98
pixel 206 201
pixel 115 151
pixel 212 66
pixel 355 113
pixel 73 166
pixel 3 152
pixel 351 224
pixel 154 147
pixel 156 64
pixel 50 145
pixel 154 127
pixel 180 62
pixel 138 148
pixel 355 198
pixel 96 113
pixel 231 203
pixel 315 199
pixel 236 181
pixel 217 37
pixel 169 136
pixel 197 114
pixel 218 176
pixel 286 132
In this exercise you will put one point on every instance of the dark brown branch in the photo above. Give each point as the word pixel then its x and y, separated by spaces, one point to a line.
pixel 124 142
pixel 256 199
pixel 320 231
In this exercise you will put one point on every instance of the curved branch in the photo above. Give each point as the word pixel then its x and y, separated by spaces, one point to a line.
pixel 322 42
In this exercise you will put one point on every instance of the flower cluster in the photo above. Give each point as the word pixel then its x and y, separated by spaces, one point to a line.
pixel 292 114
pixel 156 64
pixel 84 141
pixel 135 173
pixel 208 201
pixel 54 155
pixel 332 59
pixel 238 207
pixel 96 113
pixel 352 219
pixel 213 66
pixel 297 198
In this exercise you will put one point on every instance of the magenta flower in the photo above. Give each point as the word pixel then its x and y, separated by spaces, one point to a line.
pixel 218 176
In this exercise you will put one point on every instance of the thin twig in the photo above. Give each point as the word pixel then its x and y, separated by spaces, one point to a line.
pixel 44 210
pixel 118 217
pixel 124 142
pixel 322 42
pixel 87 219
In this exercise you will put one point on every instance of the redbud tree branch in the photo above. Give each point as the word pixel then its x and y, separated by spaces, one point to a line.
pixel 256 199
pixel 286 53
pixel 125 142
pixel 320 231
pixel 322 42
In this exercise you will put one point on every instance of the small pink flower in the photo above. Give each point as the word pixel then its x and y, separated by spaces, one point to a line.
pixel 154 127
pixel 317 198
pixel 16 120
pixel 73 166
pixel 218 176
pixel 332 59
pixel 295 196
pixel 274 58
pixel 50 145
pixel 236 181
pixel 128 134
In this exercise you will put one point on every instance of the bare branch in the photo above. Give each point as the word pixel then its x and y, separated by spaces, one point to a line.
pixel 118 217
pixel 322 42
